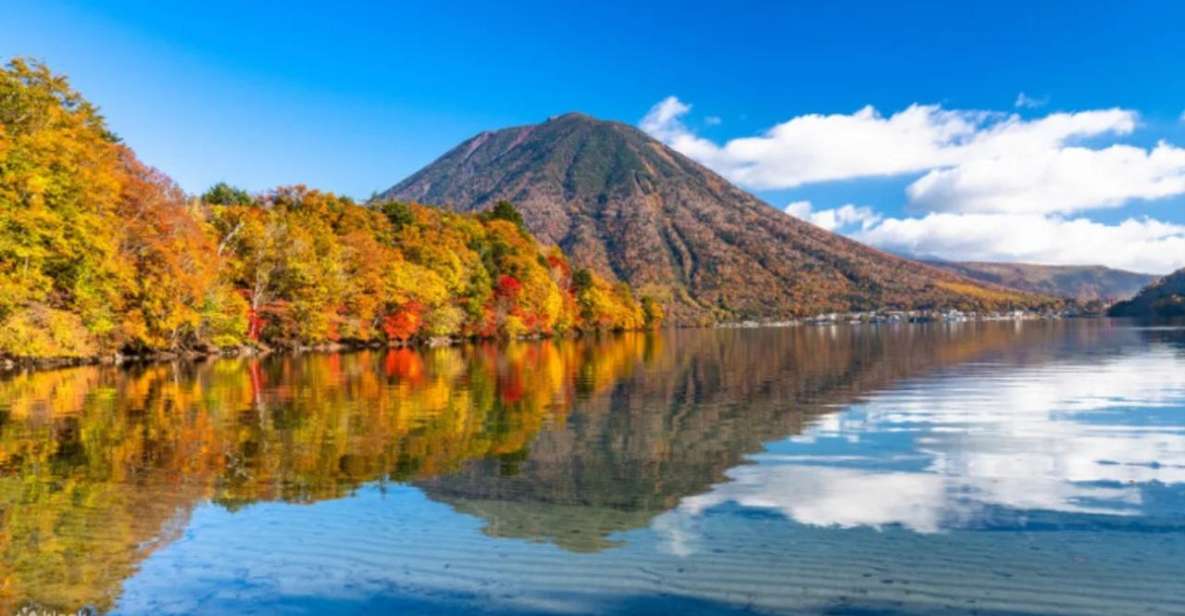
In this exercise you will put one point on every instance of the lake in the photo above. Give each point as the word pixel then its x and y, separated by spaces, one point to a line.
pixel 970 468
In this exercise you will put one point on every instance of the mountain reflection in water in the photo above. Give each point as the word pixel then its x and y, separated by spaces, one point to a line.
pixel 643 443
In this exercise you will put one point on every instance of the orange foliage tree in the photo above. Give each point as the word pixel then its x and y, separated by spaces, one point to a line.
pixel 101 253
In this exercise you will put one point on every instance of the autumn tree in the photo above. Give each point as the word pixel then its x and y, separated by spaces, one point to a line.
pixel 505 210
pixel 60 187
pixel 225 194
pixel 174 259
pixel 101 253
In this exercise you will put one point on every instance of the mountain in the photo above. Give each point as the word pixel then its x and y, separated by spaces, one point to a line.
pixel 1163 298
pixel 625 205
pixel 1080 282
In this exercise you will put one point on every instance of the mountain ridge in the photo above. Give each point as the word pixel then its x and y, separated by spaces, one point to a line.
pixel 1084 283
pixel 625 205
pixel 1164 298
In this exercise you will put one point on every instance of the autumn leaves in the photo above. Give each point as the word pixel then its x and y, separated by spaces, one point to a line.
pixel 101 254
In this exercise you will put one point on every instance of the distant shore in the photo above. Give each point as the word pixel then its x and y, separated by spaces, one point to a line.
pixel 910 316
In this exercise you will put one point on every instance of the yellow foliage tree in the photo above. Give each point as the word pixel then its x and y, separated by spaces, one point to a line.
pixel 100 253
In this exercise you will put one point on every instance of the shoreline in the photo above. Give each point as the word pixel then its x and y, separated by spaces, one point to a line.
pixel 10 365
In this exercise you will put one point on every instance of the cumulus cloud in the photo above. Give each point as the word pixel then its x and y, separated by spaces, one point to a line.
pixel 815 148
pixel 988 185
pixel 971 161
pixel 1024 101
pixel 842 218
pixel 1065 179
pixel 1142 245
pixel 662 121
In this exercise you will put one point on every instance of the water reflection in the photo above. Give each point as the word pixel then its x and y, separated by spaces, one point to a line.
pixel 580 445
pixel 99 466
pixel 985 444
pixel 986 419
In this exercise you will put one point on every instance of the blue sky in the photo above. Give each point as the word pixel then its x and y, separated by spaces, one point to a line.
pixel 354 97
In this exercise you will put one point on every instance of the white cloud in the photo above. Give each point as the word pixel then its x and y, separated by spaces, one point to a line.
pixel 799 209
pixel 713 120
pixel 662 121
pixel 1065 179
pixel 816 148
pixel 990 185
pixel 972 161
pixel 1024 101
pixel 841 218
pixel 1143 245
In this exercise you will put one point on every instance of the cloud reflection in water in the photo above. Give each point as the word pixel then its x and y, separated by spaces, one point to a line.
pixel 984 444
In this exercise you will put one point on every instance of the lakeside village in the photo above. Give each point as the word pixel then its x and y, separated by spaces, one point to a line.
pixel 916 316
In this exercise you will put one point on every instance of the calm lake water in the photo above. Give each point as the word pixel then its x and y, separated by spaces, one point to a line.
pixel 978 468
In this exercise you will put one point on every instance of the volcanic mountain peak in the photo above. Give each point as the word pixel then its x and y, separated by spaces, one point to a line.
pixel 626 205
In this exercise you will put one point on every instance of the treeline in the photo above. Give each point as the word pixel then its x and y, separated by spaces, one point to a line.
pixel 1163 299
pixel 100 253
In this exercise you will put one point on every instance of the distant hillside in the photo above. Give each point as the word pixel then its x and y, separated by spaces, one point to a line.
pixel 1084 283
pixel 1164 298
pixel 627 206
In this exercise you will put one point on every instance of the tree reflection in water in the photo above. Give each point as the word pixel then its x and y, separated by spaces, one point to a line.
pixel 564 441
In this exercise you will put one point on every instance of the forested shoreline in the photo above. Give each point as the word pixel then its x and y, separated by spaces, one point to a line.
pixel 102 256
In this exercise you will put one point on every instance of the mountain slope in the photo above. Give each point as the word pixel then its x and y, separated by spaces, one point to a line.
pixel 627 206
pixel 1163 298
pixel 1083 283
